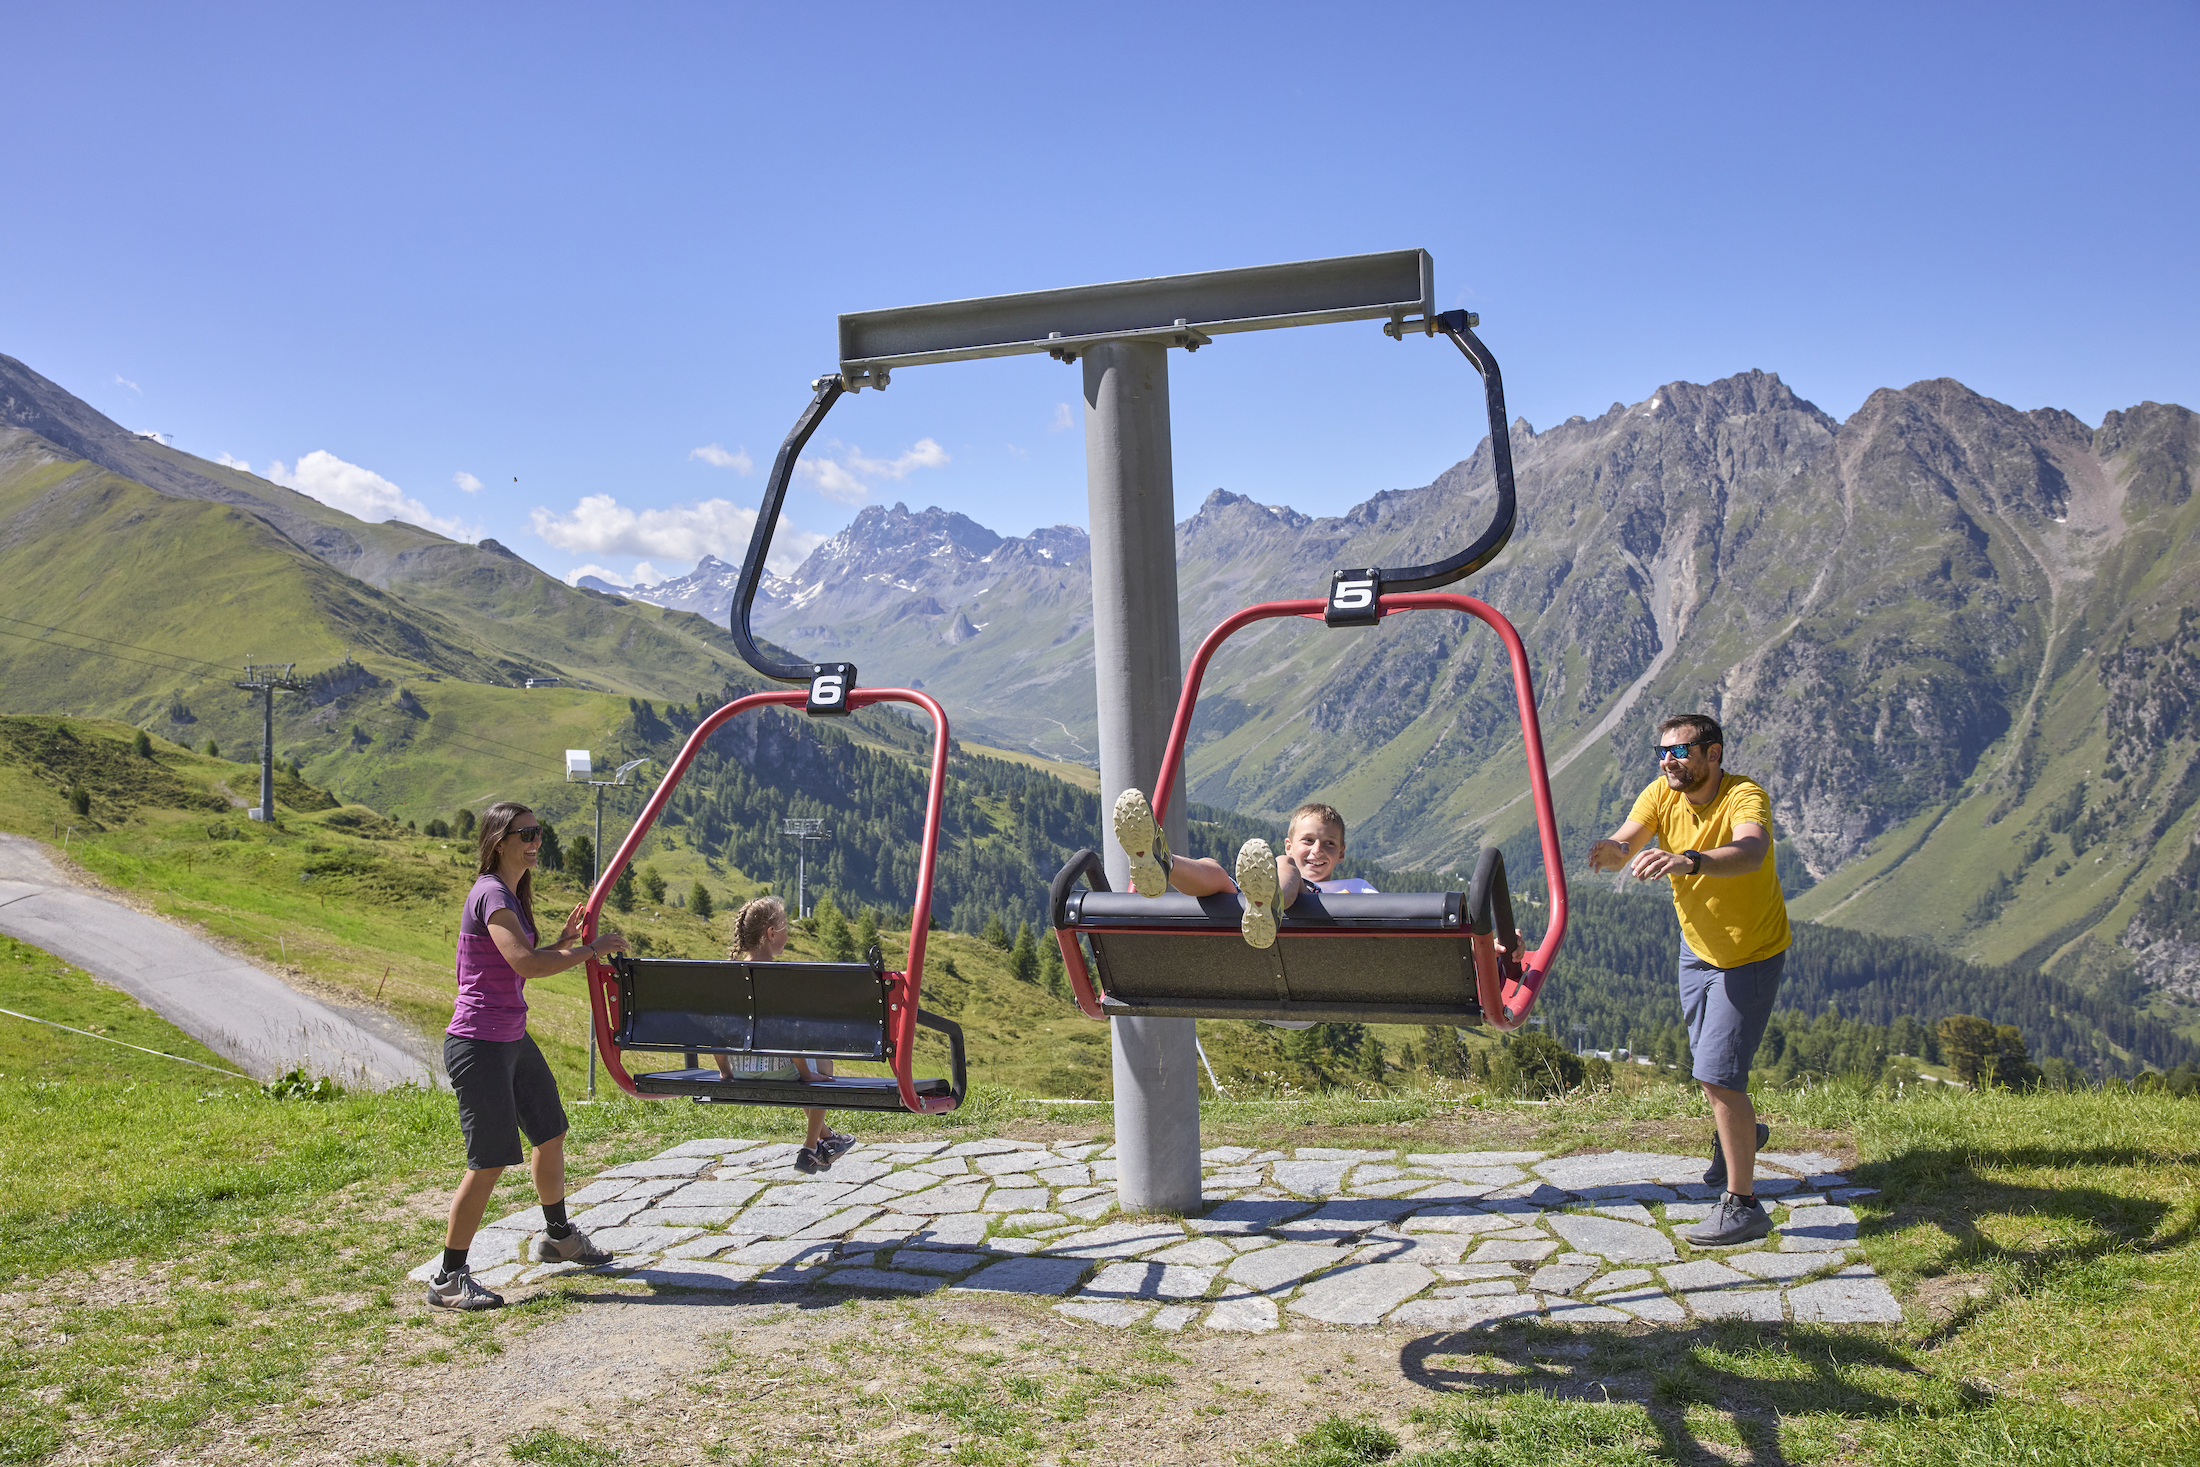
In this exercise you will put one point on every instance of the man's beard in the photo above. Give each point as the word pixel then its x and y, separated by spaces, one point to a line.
pixel 1689 785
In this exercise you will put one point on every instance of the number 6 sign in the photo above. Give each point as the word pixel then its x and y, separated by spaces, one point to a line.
pixel 830 686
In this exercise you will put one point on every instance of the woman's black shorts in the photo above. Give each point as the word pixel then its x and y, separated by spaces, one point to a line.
pixel 504 1087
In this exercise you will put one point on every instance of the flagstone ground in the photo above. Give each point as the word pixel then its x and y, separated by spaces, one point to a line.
pixel 1368 1237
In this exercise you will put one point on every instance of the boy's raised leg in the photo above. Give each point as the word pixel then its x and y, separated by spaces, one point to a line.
pixel 1137 832
pixel 1256 879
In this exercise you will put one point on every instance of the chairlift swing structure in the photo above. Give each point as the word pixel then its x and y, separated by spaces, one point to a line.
pixel 732 1007
pixel 1389 958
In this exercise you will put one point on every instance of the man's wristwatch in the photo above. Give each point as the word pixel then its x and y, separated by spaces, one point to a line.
pixel 1695 862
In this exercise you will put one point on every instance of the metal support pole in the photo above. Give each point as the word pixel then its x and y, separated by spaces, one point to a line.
pixel 595 860
pixel 1138 669
pixel 267 753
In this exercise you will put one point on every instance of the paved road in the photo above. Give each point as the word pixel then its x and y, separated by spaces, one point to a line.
pixel 241 1012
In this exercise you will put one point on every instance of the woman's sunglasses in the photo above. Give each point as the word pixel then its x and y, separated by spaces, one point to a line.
pixel 527 833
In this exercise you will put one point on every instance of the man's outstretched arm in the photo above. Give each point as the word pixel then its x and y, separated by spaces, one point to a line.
pixel 1611 853
pixel 1738 857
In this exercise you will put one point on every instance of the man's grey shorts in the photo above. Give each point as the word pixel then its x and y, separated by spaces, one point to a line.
pixel 1727 1010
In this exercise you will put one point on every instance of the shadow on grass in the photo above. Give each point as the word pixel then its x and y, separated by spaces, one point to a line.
pixel 2090 1228
pixel 1754 1375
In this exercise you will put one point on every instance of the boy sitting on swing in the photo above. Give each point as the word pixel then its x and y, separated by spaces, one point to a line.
pixel 1313 844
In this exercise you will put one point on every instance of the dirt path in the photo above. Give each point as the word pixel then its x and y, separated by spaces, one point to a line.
pixel 235 1008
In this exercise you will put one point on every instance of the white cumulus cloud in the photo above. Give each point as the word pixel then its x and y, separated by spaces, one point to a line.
pixel 683 534
pixel 232 463
pixel 1063 418
pixel 362 492
pixel 466 482
pixel 843 478
pixel 600 572
pixel 715 455
pixel 122 381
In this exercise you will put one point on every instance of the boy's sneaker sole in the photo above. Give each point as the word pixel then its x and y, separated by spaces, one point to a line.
pixel 1136 833
pixel 1256 879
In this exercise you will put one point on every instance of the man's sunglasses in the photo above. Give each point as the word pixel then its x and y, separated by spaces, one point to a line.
pixel 527 833
pixel 1677 751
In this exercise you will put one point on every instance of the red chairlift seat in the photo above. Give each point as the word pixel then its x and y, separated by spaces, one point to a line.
pixel 852 1011
pixel 1394 958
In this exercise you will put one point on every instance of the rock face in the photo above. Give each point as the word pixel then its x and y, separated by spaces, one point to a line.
pixel 1923 628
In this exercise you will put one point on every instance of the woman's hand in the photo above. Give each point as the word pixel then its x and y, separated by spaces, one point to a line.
pixel 574 922
pixel 607 942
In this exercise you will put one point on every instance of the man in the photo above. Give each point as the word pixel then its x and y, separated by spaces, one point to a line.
pixel 1716 832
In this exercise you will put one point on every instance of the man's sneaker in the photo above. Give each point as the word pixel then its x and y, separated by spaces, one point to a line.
pixel 1734 1220
pixel 835 1144
pixel 457 1290
pixel 1136 832
pixel 1256 879
pixel 1714 1175
pixel 574 1247
pixel 808 1161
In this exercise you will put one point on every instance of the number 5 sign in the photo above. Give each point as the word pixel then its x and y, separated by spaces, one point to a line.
pixel 1352 597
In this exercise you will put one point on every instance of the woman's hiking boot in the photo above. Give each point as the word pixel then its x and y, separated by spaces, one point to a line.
pixel 457 1290
pixel 1735 1220
pixel 1136 833
pixel 1256 879
pixel 574 1247
pixel 1714 1175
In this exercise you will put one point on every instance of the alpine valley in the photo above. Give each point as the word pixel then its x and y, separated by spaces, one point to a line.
pixel 1958 642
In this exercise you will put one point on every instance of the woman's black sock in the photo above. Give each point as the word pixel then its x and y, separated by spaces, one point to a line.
pixel 553 1214
pixel 454 1259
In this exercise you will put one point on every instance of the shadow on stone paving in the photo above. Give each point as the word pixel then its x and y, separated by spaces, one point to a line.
pixel 1668 1373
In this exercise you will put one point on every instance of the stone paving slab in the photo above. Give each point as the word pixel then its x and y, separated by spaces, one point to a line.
pixel 1351 1237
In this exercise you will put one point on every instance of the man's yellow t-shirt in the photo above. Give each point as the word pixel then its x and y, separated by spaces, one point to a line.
pixel 1727 920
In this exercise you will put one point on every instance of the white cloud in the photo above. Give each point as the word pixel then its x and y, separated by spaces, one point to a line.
pixel 842 478
pixel 466 482
pixel 646 574
pixel 1063 418
pixel 356 491
pixel 600 572
pixel 232 463
pixel 684 534
pixel 738 460
pixel 122 381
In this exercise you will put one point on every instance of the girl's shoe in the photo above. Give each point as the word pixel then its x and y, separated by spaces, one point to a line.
pixel 1256 879
pixel 835 1144
pixel 1136 833
pixel 808 1161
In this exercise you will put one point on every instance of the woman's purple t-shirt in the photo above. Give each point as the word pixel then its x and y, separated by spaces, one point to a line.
pixel 490 1004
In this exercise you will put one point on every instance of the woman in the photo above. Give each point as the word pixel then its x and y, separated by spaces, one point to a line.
pixel 503 1083
pixel 760 936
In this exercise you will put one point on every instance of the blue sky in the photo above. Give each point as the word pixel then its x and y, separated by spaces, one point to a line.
pixel 561 275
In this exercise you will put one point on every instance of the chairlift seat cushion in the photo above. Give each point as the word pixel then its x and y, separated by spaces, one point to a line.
pixel 1391 957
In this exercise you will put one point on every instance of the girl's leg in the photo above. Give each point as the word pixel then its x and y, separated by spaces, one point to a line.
pixel 815 1114
pixel 547 1166
pixel 468 1205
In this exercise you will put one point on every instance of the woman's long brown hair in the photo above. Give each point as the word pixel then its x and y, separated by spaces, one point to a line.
pixel 496 823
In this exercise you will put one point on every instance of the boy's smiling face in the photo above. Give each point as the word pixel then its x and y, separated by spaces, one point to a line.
pixel 1315 845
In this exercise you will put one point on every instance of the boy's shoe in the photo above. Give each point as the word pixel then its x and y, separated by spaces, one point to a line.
pixel 1714 1175
pixel 1256 879
pixel 810 1162
pixel 457 1290
pixel 1734 1220
pixel 835 1144
pixel 574 1247
pixel 1136 832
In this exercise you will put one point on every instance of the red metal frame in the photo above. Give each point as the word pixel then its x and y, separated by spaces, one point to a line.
pixel 1506 983
pixel 903 988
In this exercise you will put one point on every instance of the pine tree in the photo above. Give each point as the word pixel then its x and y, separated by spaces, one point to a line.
pixel 1023 959
pixel 995 935
pixel 653 885
pixel 866 932
pixel 699 902
pixel 832 931
pixel 1053 977
pixel 622 891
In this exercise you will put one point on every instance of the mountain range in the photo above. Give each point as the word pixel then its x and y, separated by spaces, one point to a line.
pixel 1956 640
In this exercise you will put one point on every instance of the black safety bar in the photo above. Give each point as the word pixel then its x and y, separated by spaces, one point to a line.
pixel 1489 902
pixel 1354 594
pixel 1085 863
pixel 829 390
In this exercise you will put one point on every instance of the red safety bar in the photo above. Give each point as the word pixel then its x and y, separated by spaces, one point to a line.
pixel 903 988
pixel 1506 983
